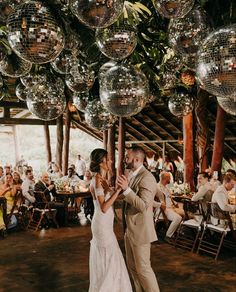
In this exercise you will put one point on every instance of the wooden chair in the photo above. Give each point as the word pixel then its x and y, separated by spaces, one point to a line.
pixel 208 243
pixel 191 226
pixel 42 212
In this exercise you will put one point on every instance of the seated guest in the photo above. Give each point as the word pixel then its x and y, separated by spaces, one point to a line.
pixel 56 171
pixel 28 188
pixel 17 181
pixel 168 205
pixel 44 185
pixel 71 177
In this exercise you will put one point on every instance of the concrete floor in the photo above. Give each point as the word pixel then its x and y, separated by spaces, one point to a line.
pixel 57 260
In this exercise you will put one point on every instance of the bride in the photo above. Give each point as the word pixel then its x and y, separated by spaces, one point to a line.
pixel 108 271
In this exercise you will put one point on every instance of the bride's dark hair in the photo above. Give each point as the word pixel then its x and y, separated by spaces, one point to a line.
pixel 96 157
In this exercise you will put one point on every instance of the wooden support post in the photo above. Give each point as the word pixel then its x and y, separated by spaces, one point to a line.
pixel 16 143
pixel 121 146
pixel 188 150
pixel 111 148
pixel 59 141
pixel 105 136
pixel 66 141
pixel 218 146
pixel 47 143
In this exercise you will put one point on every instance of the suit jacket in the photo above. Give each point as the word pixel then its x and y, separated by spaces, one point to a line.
pixel 138 208
pixel 40 187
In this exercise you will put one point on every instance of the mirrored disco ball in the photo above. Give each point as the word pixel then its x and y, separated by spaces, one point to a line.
pixel 180 104
pixel 81 78
pixel 34 34
pixel 97 13
pixel 97 116
pixel 186 34
pixel 13 66
pixel 216 62
pixel 21 92
pixel 61 64
pixel 173 8
pixel 124 90
pixel 116 43
pixel 228 105
pixel 45 101
pixel 81 100
pixel 103 69
pixel 32 78
pixel 168 80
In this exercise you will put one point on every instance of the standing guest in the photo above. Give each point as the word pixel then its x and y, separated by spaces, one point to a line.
pixel 7 169
pixel 80 167
pixel 17 179
pixel 28 188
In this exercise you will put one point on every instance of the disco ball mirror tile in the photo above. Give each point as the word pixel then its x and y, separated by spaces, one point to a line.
pixel 34 34
pixel 228 105
pixel 216 62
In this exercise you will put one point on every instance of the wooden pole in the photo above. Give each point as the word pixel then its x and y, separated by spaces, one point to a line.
pixel 47 143
pixel 188 150
pixel 111 148
pixel 105 137
pixel 66 141
pixel 59 141
pixel 218 146
pixel 121 146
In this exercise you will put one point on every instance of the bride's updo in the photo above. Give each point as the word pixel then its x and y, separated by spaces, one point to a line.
pixel 96 157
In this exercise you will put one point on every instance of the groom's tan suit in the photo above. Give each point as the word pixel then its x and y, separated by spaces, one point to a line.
pixel 140 230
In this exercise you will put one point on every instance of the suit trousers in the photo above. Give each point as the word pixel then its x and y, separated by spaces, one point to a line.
pixel 139 265
pixel 175 221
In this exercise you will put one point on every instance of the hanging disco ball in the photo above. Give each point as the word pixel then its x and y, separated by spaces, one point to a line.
pixel 61 63
pixel 186 34
pixel 21 92
pixel 80 101
pixel 216 62
pixel 124 90
pixel 34 34
pixel 228 105
pixel 116 43
pixel 97 116
pixel 32 78
pixel 97 13
pixel 168 80
pixel 103 69
pixel 45 101
pixel 180 104
pixel 173 8
pixel 13 66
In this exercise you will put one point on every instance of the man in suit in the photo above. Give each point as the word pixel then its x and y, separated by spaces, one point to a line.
pixel 139 192
pixel 44 185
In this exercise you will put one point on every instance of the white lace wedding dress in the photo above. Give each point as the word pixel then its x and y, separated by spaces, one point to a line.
pixel 108 272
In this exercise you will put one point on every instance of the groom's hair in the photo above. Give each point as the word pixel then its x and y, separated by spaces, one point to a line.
pixel 138 151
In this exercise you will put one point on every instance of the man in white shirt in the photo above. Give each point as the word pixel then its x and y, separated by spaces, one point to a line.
pixel 80 167
pixel 28 188
pixel 164 195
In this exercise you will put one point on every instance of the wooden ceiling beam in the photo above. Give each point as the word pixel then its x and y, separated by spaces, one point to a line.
pixel 13 104
pixel 86 130
pixel 33 122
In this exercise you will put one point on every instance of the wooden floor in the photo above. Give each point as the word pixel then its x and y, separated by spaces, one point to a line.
pixel 57 260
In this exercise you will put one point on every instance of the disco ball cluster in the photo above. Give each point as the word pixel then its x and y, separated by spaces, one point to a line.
pixel 180 104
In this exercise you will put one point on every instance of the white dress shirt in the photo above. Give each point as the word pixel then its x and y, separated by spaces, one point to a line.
pixel 166 193
pixel 202 191
pixel 131 178
pixel 80 167
pixel 28 191
pixel 220 197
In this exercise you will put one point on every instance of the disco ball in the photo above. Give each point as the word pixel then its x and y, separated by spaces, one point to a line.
pixel 80 101
pixel 216 62
pixel 32 78
pixel 173 8
pixel 186 34
pixel 13 66
pixel 97 13
pixel 168 80
pixel 45 101
pixel 97 116
pixel 103 69
pixel 116 43
pixel 228 105
pixel 180 104
pixel 81 78
pixel 61 63
pixel 34 34
pixel 124 90
pixel 21 92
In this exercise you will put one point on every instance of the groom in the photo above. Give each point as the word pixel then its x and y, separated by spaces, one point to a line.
pixel 139 191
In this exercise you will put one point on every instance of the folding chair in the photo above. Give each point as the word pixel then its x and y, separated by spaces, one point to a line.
pixel 208 242
pixel 161 223
pixel 189 229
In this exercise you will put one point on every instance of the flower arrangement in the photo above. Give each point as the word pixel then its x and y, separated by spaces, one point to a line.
pixel 180 189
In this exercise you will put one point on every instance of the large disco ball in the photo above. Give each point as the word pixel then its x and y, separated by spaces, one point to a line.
pixel 32 78
pixel 173 8
pixel 13 66
pixel 61 63
pixel 228 105
pixel 186 34
pixel 124 90
pixel 97 116
pixel 34 34
pixel 103 69
pixel 216 62
pixel 21 92
pixel 45 101
pixel 116 43
pixel 97 13
pixel 80 101
pixel 180 104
